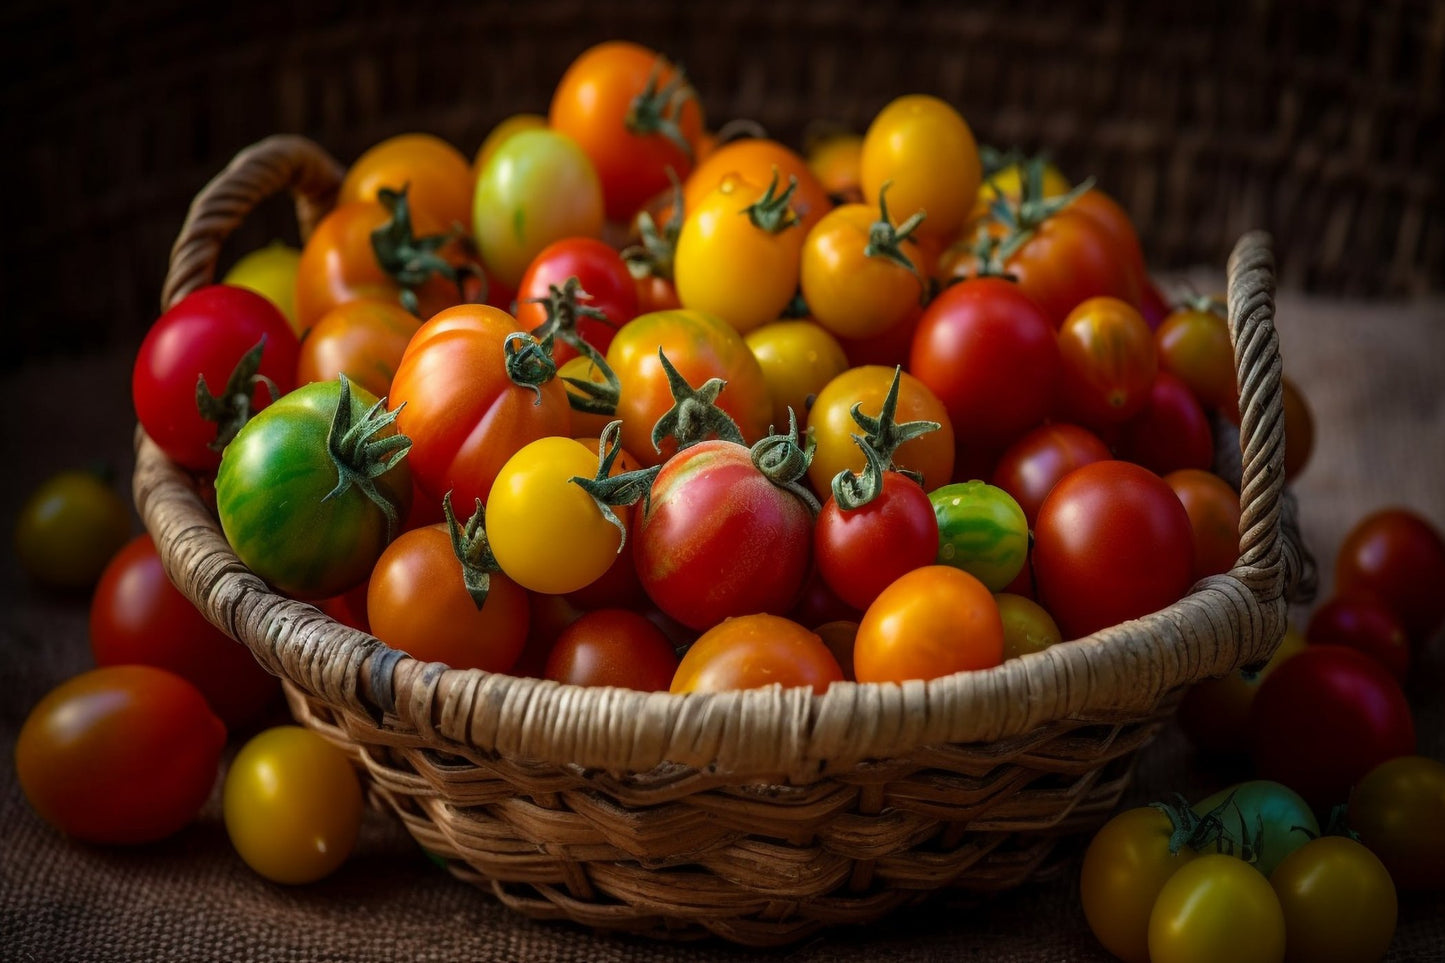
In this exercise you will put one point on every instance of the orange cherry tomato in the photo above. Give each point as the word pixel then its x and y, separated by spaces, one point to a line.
pixel 1213 508
pixel 931 622
pixel 437 177
pixel 1109 362
pixel 1193 345
pixel 752 651
pixel 754 160
pixel 850 292
pixel 363 340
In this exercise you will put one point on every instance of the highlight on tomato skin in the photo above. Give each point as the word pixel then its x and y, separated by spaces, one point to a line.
pixel 753 651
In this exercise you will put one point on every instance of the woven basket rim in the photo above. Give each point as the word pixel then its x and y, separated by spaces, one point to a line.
pixel 1117 674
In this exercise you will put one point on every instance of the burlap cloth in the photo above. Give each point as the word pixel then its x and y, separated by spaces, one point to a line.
pixel 1372 373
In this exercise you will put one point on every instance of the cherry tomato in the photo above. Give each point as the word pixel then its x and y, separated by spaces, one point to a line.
pixel 363 340
pixel 498 135
pixel 293 805
pixel 1109 363
pixel 720 538
pixel 852 289
pixel 634 115
pixel 836 161
pixel 1338 902
pixel 1194 346
pixel 754 160
pixel 613 647
pixel 207 335
pixel 737 255
pixel 1126 865
pixel 619 586
pixel 1030 467
pixel 417 602
pixel 991 356
pixel 925 150
pixel 1398 555
pixel 798 359
pixel 1325 718
pixel 1068 259
pixel 1112 542
pixel 1118 226
pixel 603 285
pixel 120 754
pixel 436 175
pixel 1269 818
pixel 930 622
pixel 1398 808
pixel 1214 714
pixel 839 636
pixel 539 186
pixel 138 617
pixel 890 347
pixel 753 651
pixel 467 405
pixel 270 271
pixel 832 425
pixel 69 528
pixel 1008 182
pixel 1213 510
pixel 982 530
pixel 1366 623
pixel 1027 625
pixel 1216 907
pixel 1170 432
pixel 861 551
pixel 700 346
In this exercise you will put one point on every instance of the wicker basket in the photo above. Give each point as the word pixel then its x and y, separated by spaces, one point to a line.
pixel 763 815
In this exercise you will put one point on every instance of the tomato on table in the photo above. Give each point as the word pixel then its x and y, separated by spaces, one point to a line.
pixel 1366 623
pixel 69 528
pixel 1125 866
pixel 1216 907
pixel 1398 555
pixel 1338 901
pixel 121 754
pixel 753 651
pixel 930 622
pixel 1398 808
pixel 1214 713
pixel 1268 818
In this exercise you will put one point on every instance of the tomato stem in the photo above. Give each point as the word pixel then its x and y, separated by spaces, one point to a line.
pixel 590 397
pixel 531 365
pixel 565 308
pixel 609 490
pixel 886 241
pixel 1031 208
pixel 882 437
pixel 472 550
pixel 231 409
pixel 771 212
pixel 783 458
pixel 656 110
pixel 410 260
pixel 361 457
pixel 694 415
pixel 653 255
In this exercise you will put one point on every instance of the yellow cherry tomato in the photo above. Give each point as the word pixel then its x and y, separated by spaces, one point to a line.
pixel 498 135
pixel 292 804
pixel 1216 907
pixel 851 290
pixel 271 272
pixel 926 151
pixel 737 254
pixel 837 162
pixel 1126 865
pixel 798 359
pixel 1008 181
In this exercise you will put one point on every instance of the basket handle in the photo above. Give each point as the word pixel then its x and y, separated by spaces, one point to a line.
pixel 1271 564
pixel 280 162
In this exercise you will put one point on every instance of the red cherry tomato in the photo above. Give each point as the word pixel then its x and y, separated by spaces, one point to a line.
pixel 1398 555
pixel 613 647
pixel 1170 432
pixel 861 551
pixel 1031 466
pixel 603 278
pixel 1366 623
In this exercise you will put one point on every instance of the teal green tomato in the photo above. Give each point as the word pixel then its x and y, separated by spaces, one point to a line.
pixel 982 530
pixel 536 188
pixel 271 494
pixel 1266 809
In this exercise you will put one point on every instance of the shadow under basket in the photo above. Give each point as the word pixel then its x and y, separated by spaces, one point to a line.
pixel 759 816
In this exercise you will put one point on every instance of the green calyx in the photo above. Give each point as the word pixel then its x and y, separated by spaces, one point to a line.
pixel 657 110
pixel 694 415
pixel 529 361
pixel 771 212
pixel 784 459
pixel 408 259
pixel 986 250
pixel 566 306
pixel 609 490
pixel 472 550
pixel 1023 216
pixel 1188 827
pixel 588 396
pixel 886 241
pixel 231 409
pixel 361 456
pixel 656 249
pixel 882 437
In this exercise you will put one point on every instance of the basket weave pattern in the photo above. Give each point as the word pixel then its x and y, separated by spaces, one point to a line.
pixel 762 815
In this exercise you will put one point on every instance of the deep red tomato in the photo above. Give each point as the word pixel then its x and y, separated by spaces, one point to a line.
pixel 464 412
pixel 137 617
pixel 861 551
pixel 1108 363
pixel 121 754
pixel 1397 554
pixel 613 647
pixel 1031 466
pixel 1070 258
pixel 1112 542
pixel 1170 432
pixel 634 115
pixel 207 334
pixel 1324 719
pixel 1366 623
pixel 1213 508
pixel 753 651
pixel 603 284
pixel 720 539
pixel 991 356
pixel 1214 714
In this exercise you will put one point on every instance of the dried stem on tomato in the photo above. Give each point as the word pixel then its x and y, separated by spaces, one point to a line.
pixel 471 548
pixel 694 415
pixel 566 306
pixel 882 437
pixel 656 109
pixel 361 457
pixel 231 409
pixel 771 212
pixel 531 364
pixel 408 259
pixel 609 490
pixel 652 255
pixel 784 458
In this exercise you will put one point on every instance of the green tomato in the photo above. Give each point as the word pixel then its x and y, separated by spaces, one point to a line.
pixel 298 514
pixel 1027 625
pixel 1268 816
pixel 69 529
pixel 536 188
pixel 982 530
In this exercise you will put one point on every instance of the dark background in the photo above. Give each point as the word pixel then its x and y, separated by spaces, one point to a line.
pixel 1321 121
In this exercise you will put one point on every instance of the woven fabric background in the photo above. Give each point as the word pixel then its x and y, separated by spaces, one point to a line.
pixel 1372 374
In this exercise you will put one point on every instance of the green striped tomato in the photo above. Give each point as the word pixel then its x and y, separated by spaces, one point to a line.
pixel 982 530
pixel 273 493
